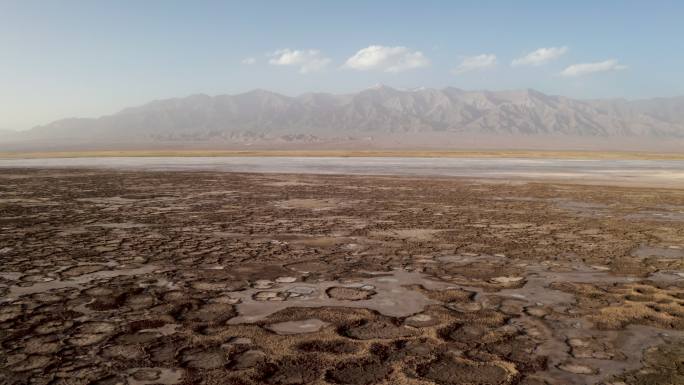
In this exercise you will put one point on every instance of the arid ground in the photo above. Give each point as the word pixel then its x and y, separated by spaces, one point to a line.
pixel 144 277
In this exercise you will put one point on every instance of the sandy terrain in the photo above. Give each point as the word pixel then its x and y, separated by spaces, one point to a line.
pixel 178 277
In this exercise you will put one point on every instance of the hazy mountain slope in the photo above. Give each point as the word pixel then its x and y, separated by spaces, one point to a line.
pixel 668 110
pixel 6 135
pixel 380 110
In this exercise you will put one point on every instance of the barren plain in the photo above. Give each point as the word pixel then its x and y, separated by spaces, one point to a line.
pixel 203 277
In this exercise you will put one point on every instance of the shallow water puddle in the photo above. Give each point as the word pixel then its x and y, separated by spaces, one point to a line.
pixel 149 376
pixel 121 225
pixel 11 276
pixel 391 297
pixel 538 279
pixel 652 251
pixel 563 366
pixel 632 342
pixel 410 234
pixel 311 325
pixel 658 216
pixel 76 282
pixel 312 204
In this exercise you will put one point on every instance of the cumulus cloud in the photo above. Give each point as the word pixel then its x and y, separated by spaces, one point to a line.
pixel 474 63
pixel 248 60
pixel 307 60
pixel 540 56
pixel 387 59
pixel 589 68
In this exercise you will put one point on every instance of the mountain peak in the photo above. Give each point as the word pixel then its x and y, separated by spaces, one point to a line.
pixel 380 87
pixel 260 92
pixel 380 110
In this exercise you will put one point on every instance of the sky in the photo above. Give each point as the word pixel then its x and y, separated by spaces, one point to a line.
pixel 90 58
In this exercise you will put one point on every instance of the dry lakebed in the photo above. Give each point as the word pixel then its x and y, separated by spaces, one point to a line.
pixel 140 277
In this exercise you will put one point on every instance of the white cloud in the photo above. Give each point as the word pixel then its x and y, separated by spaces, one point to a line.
pixel 588 68
pixel 248 60
pixel 307 60
pixel 387 59
pixel 474 63
pixel 540 56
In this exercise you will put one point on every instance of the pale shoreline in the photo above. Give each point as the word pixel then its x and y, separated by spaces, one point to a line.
pixel 598 155
pixel 658 173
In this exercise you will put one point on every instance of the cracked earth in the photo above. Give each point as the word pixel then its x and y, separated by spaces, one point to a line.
pixel 115 277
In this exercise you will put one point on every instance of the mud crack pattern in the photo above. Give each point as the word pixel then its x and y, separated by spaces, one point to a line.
pixel 112 277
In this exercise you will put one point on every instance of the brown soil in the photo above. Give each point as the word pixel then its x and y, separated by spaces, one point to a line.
pixel 112 277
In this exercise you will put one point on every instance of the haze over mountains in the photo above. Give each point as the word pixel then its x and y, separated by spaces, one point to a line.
pixel 378 115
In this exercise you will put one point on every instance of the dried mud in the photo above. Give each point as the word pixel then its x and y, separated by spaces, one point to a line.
pixel 114 277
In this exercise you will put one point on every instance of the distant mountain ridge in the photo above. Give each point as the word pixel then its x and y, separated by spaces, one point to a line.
pixel 382 110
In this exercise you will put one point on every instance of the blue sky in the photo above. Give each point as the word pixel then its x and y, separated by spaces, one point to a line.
pixel 89 58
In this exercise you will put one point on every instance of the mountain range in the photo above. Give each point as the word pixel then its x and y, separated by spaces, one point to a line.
pixel 378 112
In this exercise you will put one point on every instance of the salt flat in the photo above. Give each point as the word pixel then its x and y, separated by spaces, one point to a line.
pixel 649 173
